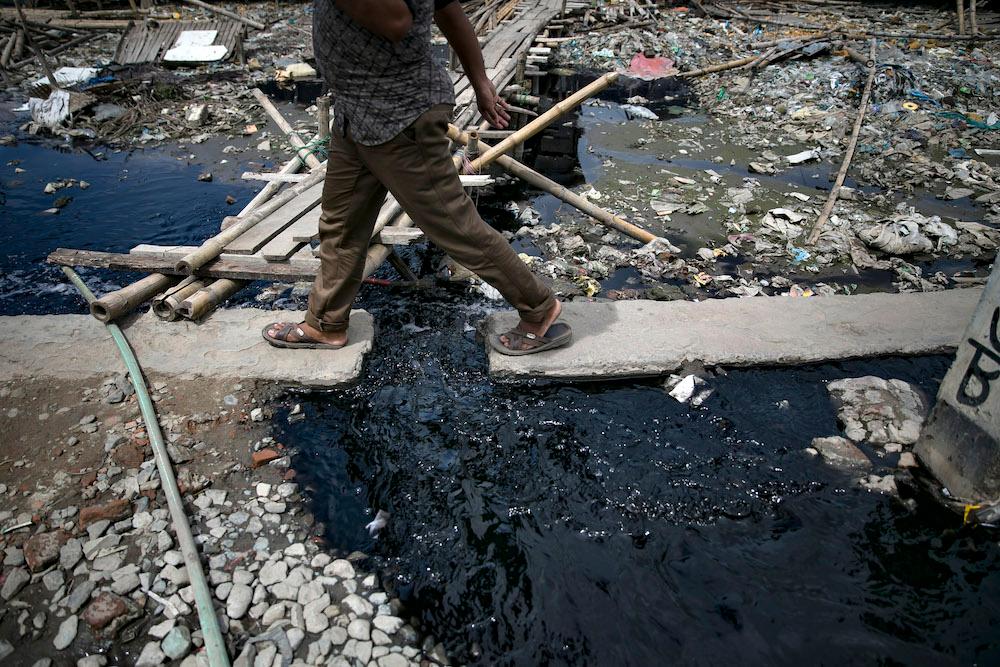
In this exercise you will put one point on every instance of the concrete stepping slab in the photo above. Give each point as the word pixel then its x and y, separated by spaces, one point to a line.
pixel 624 339
pixel 226 345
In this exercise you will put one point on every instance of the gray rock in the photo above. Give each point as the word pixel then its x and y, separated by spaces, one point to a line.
pixel 242 577
pixel 238 601
pixel 360 629
pixel 841 452
pixel 379 638
pixel 80 595
pixel 43 662
pixel 340 568
pixel 360 650
pixel 358 605
pixel 17 579
pixel 151 656
pixel 92 661
pixel 175 575
pixel 273 572
pixel 393 660
pixel 886 484
pixel 53 580
pixel 309 592
pixel 337 635
pixel 6 648
pixel 66 633
pixel 70 554
pixel 125 584
pixel 97 528
pixel 160 630
pixel 14 557
pixel 297 550
pixel 390 625
pixel 313 613
pixel 177 643
pixel 274 507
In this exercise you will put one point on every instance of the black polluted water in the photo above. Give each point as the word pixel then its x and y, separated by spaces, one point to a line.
pixel 607 524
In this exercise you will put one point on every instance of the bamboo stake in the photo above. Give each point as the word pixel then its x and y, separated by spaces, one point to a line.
pixel 960 4
pixel 165 305
pixel 546 119
pixel 213 247
pixel 38 51
pixel 206 299
pixel 112 306
pixel 532 177
pixel 227 13
pixel 972 17
pixel 851 147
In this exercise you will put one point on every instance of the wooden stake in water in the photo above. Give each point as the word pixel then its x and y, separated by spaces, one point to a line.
pixel 851 147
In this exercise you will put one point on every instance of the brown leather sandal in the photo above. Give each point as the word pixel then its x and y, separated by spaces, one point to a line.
pixel 304 342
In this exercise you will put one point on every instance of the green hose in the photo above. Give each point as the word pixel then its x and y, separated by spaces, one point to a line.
pixel 214 644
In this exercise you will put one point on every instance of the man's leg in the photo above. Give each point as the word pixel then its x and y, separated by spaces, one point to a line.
pixel 352 197
pixel 417 168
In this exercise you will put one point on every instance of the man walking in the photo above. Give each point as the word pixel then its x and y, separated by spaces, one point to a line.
pixel 392 104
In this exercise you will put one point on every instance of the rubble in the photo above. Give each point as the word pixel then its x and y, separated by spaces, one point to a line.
pixel 107 565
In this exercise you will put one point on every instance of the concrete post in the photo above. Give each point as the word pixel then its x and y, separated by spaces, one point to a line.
pixel 961 442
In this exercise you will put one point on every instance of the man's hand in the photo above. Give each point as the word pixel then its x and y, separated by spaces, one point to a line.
pixel 458 31
pixel 492 106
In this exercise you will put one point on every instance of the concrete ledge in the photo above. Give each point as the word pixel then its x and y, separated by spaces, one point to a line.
pixel 621 339
pixel 227 345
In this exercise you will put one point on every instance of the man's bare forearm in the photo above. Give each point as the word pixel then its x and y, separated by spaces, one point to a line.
pixel 455 26
pixel 390 19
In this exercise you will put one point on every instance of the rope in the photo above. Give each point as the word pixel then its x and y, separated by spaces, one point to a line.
pixel 316 146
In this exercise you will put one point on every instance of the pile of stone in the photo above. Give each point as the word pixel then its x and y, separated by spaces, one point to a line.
pixel 104 578
pixel 886 415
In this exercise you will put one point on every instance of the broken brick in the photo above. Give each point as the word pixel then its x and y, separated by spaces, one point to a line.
pixel 112 511
pixel 264 457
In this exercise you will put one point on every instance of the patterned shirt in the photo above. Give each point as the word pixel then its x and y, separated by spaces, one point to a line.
pixel 379 87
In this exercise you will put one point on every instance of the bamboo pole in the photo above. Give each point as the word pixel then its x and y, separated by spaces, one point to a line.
pixel 213 247
pixel 583 204
pixel 112 306
pixel 960 4
pixel 207 298
pixel 848 156
pixel 546 119
pixel 226 13
pixel 974 23
pixel 8 49
pixel 722 67
pixel 293 138
pixel 165 305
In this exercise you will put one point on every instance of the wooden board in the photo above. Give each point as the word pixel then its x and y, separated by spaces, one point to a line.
pixel 260 234
pixel 148 42
pixel 284 245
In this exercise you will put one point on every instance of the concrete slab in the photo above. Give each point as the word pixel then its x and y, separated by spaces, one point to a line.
pixel 621 339
pixel 227 345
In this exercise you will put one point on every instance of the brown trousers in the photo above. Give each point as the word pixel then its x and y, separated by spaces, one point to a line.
pixel 416 167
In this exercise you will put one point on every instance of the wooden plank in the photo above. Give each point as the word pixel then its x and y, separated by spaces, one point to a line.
pixel 258 235
pixel 284 245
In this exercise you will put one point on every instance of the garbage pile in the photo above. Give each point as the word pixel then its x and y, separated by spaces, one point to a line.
pixel 748 168
pixel 186 91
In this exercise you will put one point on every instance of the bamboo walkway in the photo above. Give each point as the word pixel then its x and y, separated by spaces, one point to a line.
pixel 279 247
